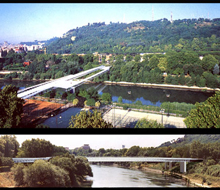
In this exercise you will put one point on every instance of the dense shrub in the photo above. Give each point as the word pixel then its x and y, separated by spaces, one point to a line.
pixel 213 170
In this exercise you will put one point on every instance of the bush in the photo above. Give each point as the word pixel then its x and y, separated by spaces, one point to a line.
pixel 75 102
pixel 213 170
pixel 210 162
pixel 44 174
pixel 125 107
pixel 6 161
pixel 18 173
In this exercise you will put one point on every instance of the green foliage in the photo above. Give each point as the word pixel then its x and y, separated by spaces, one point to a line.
pixel 206 114
pixel 18 173
pixel 90 102
pixel 88 120
pixel 106 97
pixel 181 35
pixel 119 99
pixel 45 174
pixel 133 151
pixel 144 123
pixel 208 62
pixel 6 161
pixel 11 107
pixel 36 148
pixel 213 170
pixel 8 146
pixel 61 171
pixel 75 102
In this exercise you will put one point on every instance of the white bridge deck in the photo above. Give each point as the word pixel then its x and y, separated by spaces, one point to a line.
pixel 142 159
pixel 124 159
pixel 63 82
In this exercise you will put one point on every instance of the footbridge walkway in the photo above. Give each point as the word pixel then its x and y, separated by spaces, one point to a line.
pixel 182 161
pixel 67 82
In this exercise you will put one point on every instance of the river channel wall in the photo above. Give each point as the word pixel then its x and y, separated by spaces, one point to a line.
pixel 163 86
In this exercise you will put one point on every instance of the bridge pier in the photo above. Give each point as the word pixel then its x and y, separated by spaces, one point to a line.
pixel 170 165
pixel 183 167
pixel 74 89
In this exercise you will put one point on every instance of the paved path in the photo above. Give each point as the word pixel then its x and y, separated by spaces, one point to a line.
pixel 124 117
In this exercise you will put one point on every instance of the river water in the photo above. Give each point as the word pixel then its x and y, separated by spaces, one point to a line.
pixel 112 176
pixel 148 96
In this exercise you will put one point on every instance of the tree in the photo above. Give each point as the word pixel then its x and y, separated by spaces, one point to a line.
pixel 11 107
pixel 9 146
pixel 119 99
pixel 97 104
pixel 162 64
pixel 206 114
pixel 106 97
pixel 88 120
pixel 90 102
pixel 36 148
pixel 137 58
pixel 128 58
pixel 143 123
pixel 44 174
pixel 75 102
pixel 208 62
pixel 133 151
pixel 153 62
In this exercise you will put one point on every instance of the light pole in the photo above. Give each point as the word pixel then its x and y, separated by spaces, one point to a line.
pixel 113 122
pixel 162 112
pixel 168 95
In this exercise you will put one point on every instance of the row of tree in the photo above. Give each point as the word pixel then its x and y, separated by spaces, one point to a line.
pixel 60 171
pixel 195 149
pixel 9 147
pixel 181 69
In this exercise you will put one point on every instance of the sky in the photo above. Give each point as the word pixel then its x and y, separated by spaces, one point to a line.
pixel 102 141
pixel 22 22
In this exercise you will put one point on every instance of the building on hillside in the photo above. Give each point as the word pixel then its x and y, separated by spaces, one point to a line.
pixel 123 146
pixel 86 147
pixel 67 148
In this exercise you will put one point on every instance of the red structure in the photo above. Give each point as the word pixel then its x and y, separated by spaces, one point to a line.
pixel 26 63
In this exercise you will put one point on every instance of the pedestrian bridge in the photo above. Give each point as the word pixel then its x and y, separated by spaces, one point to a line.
pixel 67 82
pixel 146 159
pixel 123 159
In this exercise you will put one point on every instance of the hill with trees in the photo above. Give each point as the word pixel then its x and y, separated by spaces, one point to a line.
pixel 188 139
pixel 140 36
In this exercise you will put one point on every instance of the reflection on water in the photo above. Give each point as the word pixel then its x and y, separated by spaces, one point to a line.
pixel 111 176
pixel 150 96
pixel 61 120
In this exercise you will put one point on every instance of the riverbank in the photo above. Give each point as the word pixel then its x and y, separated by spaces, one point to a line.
pixel 194 180
pixel 163 86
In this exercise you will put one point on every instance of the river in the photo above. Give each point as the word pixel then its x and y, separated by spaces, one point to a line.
pixel 148 96
pixel 112 176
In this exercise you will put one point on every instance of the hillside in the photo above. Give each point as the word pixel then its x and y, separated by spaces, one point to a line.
pixel 140 36
pixel 188 139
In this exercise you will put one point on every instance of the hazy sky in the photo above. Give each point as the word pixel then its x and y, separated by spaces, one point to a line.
pixel 42 21
pixel 102 141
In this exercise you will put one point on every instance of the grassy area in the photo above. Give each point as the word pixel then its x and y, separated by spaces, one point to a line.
pixel 179 109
